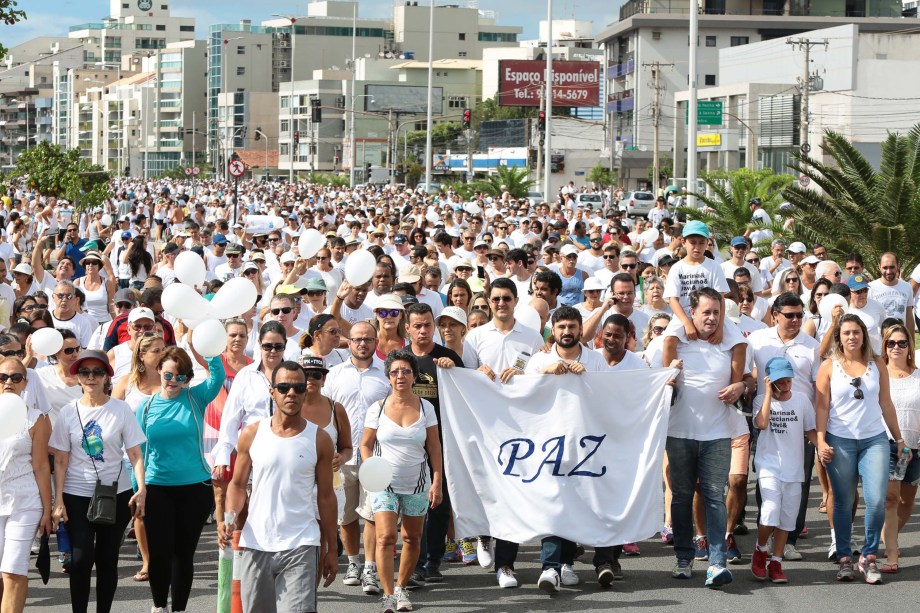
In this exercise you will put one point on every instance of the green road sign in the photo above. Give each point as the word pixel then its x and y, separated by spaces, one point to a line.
pixel 708 113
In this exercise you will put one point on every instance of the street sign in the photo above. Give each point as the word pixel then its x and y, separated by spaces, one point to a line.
pixel 196 171
pixel 236 168
pixel 709 140
pixel 708 113
pixel 804 181
pixel 188 171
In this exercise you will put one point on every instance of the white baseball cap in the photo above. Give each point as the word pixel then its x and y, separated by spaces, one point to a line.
pixel 455 313
pixel 140 313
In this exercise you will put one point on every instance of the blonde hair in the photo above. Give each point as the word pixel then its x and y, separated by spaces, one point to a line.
pixel 900 328
pixel 141 345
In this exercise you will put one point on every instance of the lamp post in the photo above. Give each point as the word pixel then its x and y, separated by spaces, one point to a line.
pixel 293 20
pixel 224 67
pixel 428 125
pixel 262 134
pixel 353 154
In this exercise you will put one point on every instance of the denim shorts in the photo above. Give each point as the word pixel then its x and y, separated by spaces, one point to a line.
pixel 409 505
pixel 912 476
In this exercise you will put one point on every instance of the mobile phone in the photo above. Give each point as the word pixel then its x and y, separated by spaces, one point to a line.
pixel 481 272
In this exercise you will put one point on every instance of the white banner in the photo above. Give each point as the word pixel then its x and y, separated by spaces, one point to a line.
pixel 575 456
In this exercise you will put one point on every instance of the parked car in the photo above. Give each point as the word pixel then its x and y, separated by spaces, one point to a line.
pixel 595 200
pixel 637 204
pixel 535 198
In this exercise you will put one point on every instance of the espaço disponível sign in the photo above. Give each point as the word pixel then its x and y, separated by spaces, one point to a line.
pixel 520 83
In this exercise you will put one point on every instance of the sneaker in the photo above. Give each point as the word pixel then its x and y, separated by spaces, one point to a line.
pixel 370 582
pixel 388 604
pixel 549 581
pixel 717 576
pixel 617 570
pixel 159 609
pixel 210 519
pixel 568 575
pixel 468 551
pixel 790 553
pixel 804 533
pixel 845 572
pixel 433 574
pixel 683 569
pixel 667 535
pixel 604 575
pixel 868 566
pixel 352 575
pixel 484 551
pixel 417 579
pixel 702 547
pixel 402 600
pixel 741 529
pixel 759 564
pixel 450 551
pixel 732 553
pixel 775 572
pixel 831 553
pixel 631 549
pixel 505 577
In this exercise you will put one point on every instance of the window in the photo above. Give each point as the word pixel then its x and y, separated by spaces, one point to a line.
pixel 186 28
pixel 241 50
pixel 161 27
pixel 710 79
pixel 462 35
pixel 710 41
pixel 284 125
pixel 164 7
pixel 656 35
pixel 462 54
pixel 456 102
pixel 739 40
pixel 125 5
pixel 240 71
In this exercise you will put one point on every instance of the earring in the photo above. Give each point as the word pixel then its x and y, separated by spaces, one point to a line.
pixel 141 368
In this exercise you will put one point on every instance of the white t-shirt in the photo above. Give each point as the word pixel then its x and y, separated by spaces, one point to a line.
pixel 697 413
pixel 760 216
pixel 684 278
pixel 729 268
pixel 353 316
pixel 403 448
pixel 630 361
pixel 591 360
pixel 80 324
pixel 107 431
pixel 780 452
pixel 894 299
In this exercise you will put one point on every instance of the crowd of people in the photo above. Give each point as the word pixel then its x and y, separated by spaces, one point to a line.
pixel 320 375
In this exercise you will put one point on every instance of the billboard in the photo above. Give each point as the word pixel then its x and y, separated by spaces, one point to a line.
pixel 403 99
pixel 574 83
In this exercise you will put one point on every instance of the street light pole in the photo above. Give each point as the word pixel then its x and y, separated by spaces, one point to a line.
pixel 547 147
pixel 428 125
pixel 291 147
pixel 351 144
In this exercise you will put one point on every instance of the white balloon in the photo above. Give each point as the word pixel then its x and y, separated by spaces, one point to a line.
pixel 233 299
pixel 650 236
pixel 375 474
pixel 310 242
pixel 47 341
pixel 183 302
pixel 432 217
pixel 827 304
pixel 13 415
pixel 190 268
pixel 359 268
pixel 529 317
pixel 209 338
pixel 106 220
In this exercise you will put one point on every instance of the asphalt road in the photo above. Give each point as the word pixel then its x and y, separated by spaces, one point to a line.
pixel 647 585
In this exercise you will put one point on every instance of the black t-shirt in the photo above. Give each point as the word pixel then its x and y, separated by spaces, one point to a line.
pixel 426 385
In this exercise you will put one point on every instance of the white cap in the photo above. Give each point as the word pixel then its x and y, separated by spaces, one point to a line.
pixel 455 313
pixel 569 249
pixel 286 257
pixel 732 312
pixel 23 269
pixel 810 260
pixel 797 247
pixel 593 283
pixel 140 313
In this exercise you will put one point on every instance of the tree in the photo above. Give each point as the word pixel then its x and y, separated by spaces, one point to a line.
pixel 665 170
pixel 10 15
pixel 726 210
pixel 858 208
pixel 51 171
pixel 512 180
pixel 602 177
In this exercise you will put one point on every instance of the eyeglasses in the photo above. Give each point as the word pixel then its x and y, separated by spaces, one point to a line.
pixel 658 330
pixel 316 375
pixel 142 328
pixel 493 258
pixel 123 305
pixel 838 274
pixel 500 299
pixel 362 340
pixel 594 240
pixel 384 313
pixel 529 263
pixel 70 350
pixel 628 266
pixel 322 258
pixel 316 292
pixel 179 378
pixel 91 372
pixel 92 263
pixel 401 371
pixel 29 307
pixel 284 388
pixel 853 268
pixel 740 247
pixel 15 378
pixel 892 344
pixel 269 347
pixel 611 257
pixel 796 315
pixel 571 256
pixel 233 255
pixel 273 240
pixel 63 296
pixel 858 393
pixel 250 273
pixel 19 353
pixel 281 310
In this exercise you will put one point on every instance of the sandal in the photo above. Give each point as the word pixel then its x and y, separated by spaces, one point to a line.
pixel 142 576
pixel 822 508
pixel 889 568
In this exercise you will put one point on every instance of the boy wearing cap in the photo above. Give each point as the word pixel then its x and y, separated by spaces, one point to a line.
pixel 783 419
pixel 739 248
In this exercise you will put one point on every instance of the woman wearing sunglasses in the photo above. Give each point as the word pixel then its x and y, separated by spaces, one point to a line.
pixel 89 441
pixel 61 387
pixel 178 477
pixel 99 291
pixel 25 491
pixel 390 321
pixel 852 408
pixel 323 337
pixel 904 380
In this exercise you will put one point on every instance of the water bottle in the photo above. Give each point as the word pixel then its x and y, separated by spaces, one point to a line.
pixel 900 468
pixel 63 539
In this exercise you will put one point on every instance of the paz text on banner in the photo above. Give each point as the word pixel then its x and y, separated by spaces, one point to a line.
pixel 575 456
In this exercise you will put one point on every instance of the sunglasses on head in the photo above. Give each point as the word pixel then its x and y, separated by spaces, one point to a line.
pixel 91 372
pixel 268 347
pixel 15 377
pixel 179 378
pixel 280 310
pixel 285 388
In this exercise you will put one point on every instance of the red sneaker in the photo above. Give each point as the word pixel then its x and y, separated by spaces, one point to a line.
pixel 775 571
pixel 759 564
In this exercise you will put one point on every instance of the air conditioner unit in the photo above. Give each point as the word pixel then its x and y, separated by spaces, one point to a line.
pixel 283 63
pixel 284 43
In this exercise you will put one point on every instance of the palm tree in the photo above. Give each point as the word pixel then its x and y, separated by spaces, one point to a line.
pixel 726 208
pixel 857 208
pixel 505 179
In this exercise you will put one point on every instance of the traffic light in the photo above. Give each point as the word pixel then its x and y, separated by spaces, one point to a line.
pixel 296 137
pixel 367 169
pixel 316 110
pixel 467 119
pixel 541 121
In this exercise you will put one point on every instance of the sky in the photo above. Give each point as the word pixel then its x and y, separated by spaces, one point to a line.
pixel 54 17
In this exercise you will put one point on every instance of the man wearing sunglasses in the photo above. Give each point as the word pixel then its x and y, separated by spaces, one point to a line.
pixel 233 267
pixel 739 249
pixel 119 331
pixel 293 477
pixel 787 340
pixel 281 309
pixel 66 313
pixel 71 247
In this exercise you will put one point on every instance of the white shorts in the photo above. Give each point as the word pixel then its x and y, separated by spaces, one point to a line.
pixel 16 534
pixel 780 506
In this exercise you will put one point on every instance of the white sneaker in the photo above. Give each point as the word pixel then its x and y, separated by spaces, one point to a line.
pixel 506 577
pixel 484 552
pixel 791 553
pixel 549 581
pixel 568 575
pixel 159 609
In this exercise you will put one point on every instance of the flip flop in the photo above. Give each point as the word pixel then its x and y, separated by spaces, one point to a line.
pixel 889 568
pixel 822 508
pixel 142 576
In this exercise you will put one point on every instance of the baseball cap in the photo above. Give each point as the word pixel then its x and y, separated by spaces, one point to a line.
pixel 569 250
pixel 250 266
pixel 857 282
pixel 695 228
pixel 234 248
pixel 125 295
pixel 127 234
pixel 389 301
pixel 219 239
pixel 779 368
pixel 739 241
pixel 810 260
pixel 552 235
pixel 410 274
pixel 140 313
pixel 455 313
pixel 312 362
pixel 796 247
pixel 171 248
pixel 315 284
pixel 400 239
pixel 286 257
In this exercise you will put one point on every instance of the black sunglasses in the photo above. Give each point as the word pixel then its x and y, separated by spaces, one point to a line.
pixel 273 347
pixel 892 344
pixel 280 310
pixel 316 375
pixel 284 388
pixel 15 377
pixel 798 315
pixel 858 393
pixel 87 372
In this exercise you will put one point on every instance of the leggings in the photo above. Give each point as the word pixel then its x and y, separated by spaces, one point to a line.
pixel 94 545
pixel 174 518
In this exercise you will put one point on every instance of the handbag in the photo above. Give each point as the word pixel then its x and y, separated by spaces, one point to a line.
pixel 103 506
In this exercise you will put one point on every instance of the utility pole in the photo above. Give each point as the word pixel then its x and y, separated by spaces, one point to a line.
pixel 806 44
pixel 656 120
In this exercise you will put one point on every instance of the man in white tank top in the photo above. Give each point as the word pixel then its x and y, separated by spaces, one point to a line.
pixel 284 547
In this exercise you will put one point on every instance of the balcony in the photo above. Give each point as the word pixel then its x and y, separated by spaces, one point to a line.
pixel 621 70
pixel 622 102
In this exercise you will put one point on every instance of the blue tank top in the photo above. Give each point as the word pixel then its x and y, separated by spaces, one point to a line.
pixel 572 288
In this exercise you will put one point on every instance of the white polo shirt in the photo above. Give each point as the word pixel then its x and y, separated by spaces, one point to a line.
pixel 500 351
pixel 590 359
pixel 356 390
pixel 802 353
